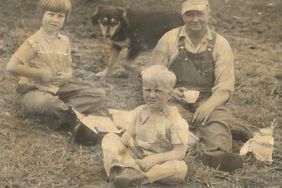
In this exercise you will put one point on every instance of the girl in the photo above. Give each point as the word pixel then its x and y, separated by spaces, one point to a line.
pixel 43 63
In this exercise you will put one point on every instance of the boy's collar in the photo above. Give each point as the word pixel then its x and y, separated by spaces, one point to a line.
pixel 146 113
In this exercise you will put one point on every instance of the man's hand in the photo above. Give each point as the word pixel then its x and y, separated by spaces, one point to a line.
pixel 178 93
pixel 45 75
pixel 202 113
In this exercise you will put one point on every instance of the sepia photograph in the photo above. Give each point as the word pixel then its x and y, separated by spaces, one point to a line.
pixel 140 93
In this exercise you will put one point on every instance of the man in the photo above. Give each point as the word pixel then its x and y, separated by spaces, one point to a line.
pixel 203 62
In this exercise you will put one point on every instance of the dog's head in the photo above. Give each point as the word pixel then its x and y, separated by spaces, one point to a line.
pixel 110 19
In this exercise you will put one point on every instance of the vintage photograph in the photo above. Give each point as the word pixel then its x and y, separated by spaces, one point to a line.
pixel 131 93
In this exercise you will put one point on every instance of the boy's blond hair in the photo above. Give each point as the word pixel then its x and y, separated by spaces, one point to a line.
pixel 159 74
pixel 63 6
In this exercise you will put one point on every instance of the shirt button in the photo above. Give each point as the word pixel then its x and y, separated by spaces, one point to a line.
pixel 186 59
pixel 182 47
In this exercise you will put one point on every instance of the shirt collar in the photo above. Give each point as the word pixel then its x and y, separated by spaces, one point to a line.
pixel 183 33
pixel 146 114
pixel 48 37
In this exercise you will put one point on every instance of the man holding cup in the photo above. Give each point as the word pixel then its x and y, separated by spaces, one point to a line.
pixel 203 62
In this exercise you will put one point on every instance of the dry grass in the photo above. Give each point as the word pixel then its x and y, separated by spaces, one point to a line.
pixel 31 155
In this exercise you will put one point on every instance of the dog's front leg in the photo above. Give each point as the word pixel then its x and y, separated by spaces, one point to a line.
pixel 131 56
pixel 113 59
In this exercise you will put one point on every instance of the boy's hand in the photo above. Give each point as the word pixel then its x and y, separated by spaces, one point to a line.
pixel 126 139
pixel 147 162
pixel 45 75
pixel 129 142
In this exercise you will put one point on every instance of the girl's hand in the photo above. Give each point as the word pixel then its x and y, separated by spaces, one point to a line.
pixel 45 75
pixel 62 77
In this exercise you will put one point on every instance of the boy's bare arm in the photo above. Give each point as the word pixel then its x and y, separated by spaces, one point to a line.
pixel 129 142
pixel 178 153
pixel 126 139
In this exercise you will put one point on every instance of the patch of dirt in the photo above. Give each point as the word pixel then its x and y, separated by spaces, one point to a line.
pixel 31 155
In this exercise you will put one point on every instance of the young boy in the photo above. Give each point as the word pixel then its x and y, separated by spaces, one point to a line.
pixel 154 146
pixel 43 63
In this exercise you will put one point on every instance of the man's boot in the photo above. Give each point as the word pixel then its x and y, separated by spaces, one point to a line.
pixel 223 160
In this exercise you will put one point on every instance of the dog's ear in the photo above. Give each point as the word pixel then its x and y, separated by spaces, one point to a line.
pixel 123 12
pixel 95 15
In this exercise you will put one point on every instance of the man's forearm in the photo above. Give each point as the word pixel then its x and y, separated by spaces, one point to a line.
pixel 218 98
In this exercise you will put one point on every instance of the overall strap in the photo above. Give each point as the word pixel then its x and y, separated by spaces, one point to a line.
pixel 181 46
pixel 181 40
pixel 210 47
pixel 211 43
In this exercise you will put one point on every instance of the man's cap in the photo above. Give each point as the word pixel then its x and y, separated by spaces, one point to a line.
pixel 189 5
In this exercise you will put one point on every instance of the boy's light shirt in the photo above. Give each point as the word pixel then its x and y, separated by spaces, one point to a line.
pixel 53 52
pixel 156 133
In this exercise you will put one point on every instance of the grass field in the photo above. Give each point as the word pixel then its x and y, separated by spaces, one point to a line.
pixel 31 155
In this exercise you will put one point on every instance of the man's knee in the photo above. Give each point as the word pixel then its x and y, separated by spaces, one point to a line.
pixel 221 113
pixel 216 135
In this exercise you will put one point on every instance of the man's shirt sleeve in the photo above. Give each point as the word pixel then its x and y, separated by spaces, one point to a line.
pixel 224 67
pixel 166 49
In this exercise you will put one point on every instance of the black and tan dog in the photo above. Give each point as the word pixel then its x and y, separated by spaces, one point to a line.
pixel 137 30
